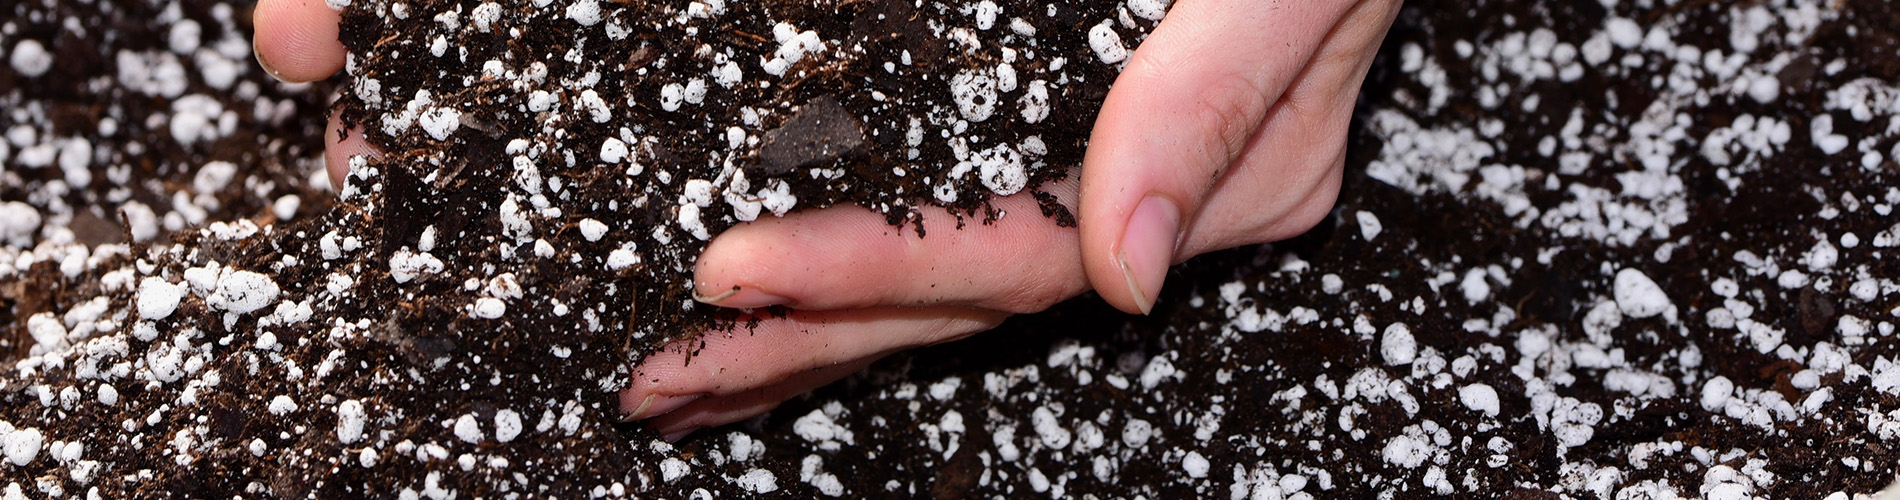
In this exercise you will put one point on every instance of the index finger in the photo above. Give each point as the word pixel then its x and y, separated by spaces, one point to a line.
pixel 848 257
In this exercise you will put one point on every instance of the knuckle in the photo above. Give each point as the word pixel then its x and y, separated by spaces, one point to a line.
pixel 1233 107
pixel 1232 104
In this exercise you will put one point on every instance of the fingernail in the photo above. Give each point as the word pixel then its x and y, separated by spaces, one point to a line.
pixel 1147 248
pixel 740 297
pixel 655 405
pixel 638 411
pixel 259 55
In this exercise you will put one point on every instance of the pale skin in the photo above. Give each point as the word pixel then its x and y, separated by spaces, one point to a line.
pixel 1226 128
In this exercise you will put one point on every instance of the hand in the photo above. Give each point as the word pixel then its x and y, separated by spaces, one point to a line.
pixel 1226 128
pixel 860 289
pixel 1219 133
pixel 296 41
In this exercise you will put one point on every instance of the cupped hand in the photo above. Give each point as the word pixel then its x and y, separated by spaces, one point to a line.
pixel 733 375
pixel 1227 127
pixel 860 289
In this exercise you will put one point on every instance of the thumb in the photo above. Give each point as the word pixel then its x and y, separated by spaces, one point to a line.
pixel 1191 98
pixel 296 40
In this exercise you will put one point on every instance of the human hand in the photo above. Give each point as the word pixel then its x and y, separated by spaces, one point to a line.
pixel 296 41
pixel 1218 134
pixel 1226 128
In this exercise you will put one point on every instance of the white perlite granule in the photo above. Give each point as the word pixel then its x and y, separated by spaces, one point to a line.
pixel 758 481
pixel 467 429
pixel 440 123
pixel 244 291
pixel 1398 347
pixel 1195 465
pixel 1480 398
pixel 282 405
pixel 350 419
pixel 1001 170
pixel 30 58
pixel 612 151
pixel 18 222
pixel 158 298
pixel 1638 296
pixel 22 446
pixel 405 266
pixel 488 308
pixel 592 229
pixel 1152 10
pixel 585 12
pixel 1369 225
pixel 507 425
pixel 1107 45
pixel 975 94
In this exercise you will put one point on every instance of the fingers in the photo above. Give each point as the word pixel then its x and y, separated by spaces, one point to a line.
pixel 296 40
pixel 737 362
pixel 849 257
pixel 717 411
pixel 339 145
pixel 1186 106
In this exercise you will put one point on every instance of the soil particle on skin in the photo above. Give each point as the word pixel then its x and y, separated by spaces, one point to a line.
pixel 1470 322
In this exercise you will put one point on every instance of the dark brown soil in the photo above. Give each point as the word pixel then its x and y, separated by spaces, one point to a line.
pixel 1455 329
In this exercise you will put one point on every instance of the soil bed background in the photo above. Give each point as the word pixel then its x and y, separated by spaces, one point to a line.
pixel 1640 251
